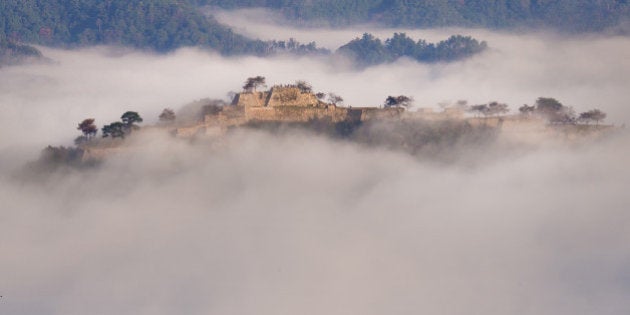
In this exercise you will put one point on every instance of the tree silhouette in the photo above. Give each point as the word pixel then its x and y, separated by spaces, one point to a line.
pixel 88 128
pixel 252 83
pixel 167 115
pixel 115 130
pixel 526 109
pixel 595 115
pixel 398 101
pixel 496 108
pixel 130 118
pixel 304 86
pixel 548 106
pixel 481 109
pixel 555 111
pixel 334 99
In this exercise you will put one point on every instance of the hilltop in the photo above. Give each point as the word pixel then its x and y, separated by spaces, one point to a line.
pixel 282 108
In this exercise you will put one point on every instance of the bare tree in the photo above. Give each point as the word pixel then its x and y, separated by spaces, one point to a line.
pixel 251 84
pixel 595 115
pixel 304 86
pixel 334 99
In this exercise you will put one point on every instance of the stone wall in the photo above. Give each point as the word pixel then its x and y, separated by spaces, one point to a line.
pixel 191 131
pixel 426 113
pixel 251 99
pixel 295 113
pixel 291 96
pixel 368 113
pixel 229 116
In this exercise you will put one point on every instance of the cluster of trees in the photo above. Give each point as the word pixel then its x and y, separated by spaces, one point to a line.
pixel 490 109
pixel 117 129
pixel 293 46
pixel 558 113
pixel 369 50
pixel 547 107
pixel 564 15
pixel 593 115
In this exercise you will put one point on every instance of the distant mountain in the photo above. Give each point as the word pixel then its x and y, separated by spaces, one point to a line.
pixel 562 15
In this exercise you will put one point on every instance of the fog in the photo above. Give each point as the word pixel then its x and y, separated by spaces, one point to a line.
pixel 295 223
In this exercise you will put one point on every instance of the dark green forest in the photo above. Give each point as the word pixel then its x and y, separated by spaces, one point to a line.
pixel 369 50
pixel 561 15
pixel 160 25
pixel 165 25
pixel 157 25
pixel 14 53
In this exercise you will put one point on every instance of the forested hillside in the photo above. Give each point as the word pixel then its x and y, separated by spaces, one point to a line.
pixel 164 25
pixel 159 25
pixel 14 53
pixel 564 15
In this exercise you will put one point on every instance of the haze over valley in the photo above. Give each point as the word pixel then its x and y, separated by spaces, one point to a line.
pixel 292 221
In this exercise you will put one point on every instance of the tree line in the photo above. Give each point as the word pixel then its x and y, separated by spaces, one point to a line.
pixel 549 108
pixel 562 15
pixel 369 50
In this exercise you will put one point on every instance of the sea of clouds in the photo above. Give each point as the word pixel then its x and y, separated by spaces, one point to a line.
pixel 295 223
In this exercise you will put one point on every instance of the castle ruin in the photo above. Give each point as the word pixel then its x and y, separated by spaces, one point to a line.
pixel 283 103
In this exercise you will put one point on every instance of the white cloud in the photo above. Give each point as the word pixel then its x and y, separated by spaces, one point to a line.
pixel 291 224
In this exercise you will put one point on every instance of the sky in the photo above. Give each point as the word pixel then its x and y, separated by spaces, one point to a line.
pixel 295 223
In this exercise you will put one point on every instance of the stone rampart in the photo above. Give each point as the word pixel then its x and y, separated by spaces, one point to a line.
pixel 295 113
pixel 291 96
pixel 251 99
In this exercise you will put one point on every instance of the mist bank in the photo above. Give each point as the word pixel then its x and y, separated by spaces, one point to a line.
pixel 275 223
pixel 294 223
